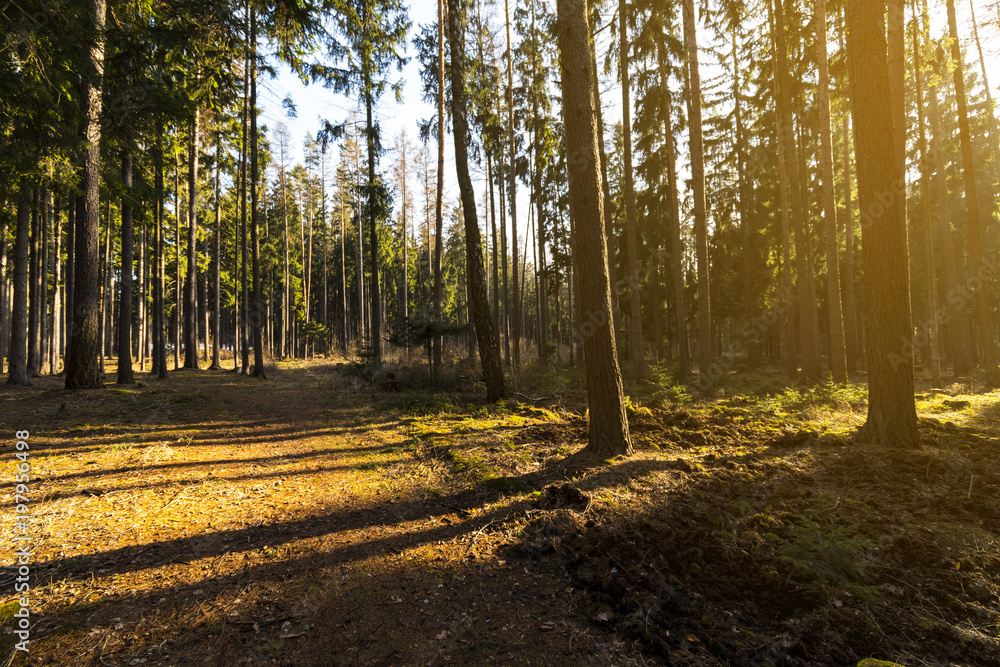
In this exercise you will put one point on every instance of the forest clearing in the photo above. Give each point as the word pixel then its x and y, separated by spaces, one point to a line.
pixel 317 519
pixel 576 332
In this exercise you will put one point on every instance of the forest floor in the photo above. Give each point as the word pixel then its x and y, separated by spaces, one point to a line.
pixel 316 518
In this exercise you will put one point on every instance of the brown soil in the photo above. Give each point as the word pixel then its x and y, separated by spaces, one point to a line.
pixel 314 519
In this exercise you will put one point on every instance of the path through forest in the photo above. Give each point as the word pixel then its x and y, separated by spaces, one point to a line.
pixel 315 518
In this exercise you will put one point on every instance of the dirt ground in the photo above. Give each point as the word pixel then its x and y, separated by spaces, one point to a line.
pixel 319 517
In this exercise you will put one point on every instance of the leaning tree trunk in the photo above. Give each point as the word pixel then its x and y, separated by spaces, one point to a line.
pixel 489 351
pixel 979 268
pixel 609 435
pixel 838 344
pixel 17 369
pixel 81 364
pixel 892 416
pixel 705 379
pixel 125 304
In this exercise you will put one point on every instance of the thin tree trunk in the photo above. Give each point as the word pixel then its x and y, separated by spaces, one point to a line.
pixel 159 301
pixel 17 370
pixel 925 212
pixel 808 330
pixel 257 320
pixel 244 288
pixel 34 268
pixel 609 434
pixel 838 344
pixel 788 297
pixel 850 307
pixel 217 260
pixel 636 339
pixel 705 379
pixel 191 281
pixel 125 309
pixel 512 195
pixel 675 243
pixel 979 268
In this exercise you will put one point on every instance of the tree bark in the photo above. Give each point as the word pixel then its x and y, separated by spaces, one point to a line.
pixel 489 352
pixel 81 365
pixel 892 417
pixel 609 434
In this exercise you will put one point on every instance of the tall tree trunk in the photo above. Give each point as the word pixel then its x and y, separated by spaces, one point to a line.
pixel 892 417
pixel 244 283
pixel 257 319
pixel 17 370
pixel 5 295
pixel 636 339
pixel 178 283
pixel 81 365
pixel 70 270
pixel 217 260
pixel 125 309
pixel 808 329
pixel 512 196
pixel 838 344
pixel 850 305
pixel 705 380
pixel 979 268
pixel 143 288
pixel 609 434
pixel 343 268
pixel 608 217
pixel 55 347
pixel 788 293
pixel 34 268
pixel 505 301
pixel 925 212
pixel 489 352
pixel 191 282
pixel 676 244
pixel 159 302
pixel 286 309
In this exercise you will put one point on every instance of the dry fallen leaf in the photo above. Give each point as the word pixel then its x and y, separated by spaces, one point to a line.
pixel 443 635
pixel 693 639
